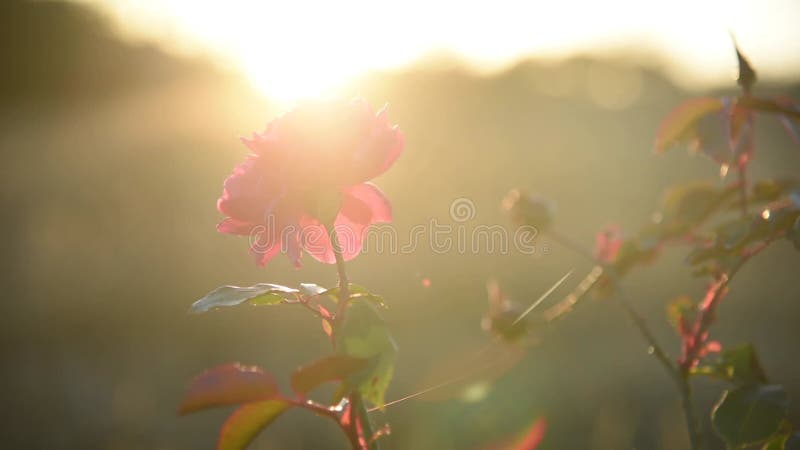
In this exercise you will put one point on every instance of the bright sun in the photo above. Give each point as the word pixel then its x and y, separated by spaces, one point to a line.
pixel 298 49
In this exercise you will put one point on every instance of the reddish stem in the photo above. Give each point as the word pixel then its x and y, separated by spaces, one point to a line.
pixel 707 311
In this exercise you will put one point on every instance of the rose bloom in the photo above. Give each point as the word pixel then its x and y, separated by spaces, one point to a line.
pixel 308 170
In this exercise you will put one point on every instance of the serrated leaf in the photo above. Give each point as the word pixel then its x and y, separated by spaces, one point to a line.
pixel 247 421
pixel 363 334
pixel 228 384
pixel 331 368
pixel 261 294
pixel 750 415
pixel 679 127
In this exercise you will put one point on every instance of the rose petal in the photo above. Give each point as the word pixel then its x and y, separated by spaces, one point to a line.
pixel 315 240
pixel 397 143
pixel 373 198
pixel 233 226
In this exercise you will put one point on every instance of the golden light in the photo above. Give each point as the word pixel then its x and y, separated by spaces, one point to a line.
pixel 302 48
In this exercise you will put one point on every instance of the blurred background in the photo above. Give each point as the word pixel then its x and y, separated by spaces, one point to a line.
pixel 120 120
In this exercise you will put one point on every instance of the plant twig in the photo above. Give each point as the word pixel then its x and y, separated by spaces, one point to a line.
pixel 359 428
pixel 681 380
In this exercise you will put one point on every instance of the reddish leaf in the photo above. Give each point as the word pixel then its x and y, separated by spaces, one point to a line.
pixel 533 436
pixel 246 422
pixel 228 385
pixel 607 244
pixel 332 368
pixel 679 125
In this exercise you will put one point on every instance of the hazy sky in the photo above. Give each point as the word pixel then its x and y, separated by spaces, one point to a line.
pixel 297 48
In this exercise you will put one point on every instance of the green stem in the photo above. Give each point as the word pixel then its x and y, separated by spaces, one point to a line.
pixel 359 437
pixel 692 424
pixel 344 284
pixel 362 417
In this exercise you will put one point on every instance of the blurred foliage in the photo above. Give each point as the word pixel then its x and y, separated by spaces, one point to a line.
pixel 113 155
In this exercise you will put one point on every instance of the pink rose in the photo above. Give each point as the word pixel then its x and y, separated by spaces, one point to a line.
pixel 308 168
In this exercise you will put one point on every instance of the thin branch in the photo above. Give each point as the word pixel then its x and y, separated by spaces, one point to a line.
pixel 681 380
pixel 359 428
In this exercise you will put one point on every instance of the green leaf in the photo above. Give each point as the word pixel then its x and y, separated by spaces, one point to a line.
pixel 730 239
pixel 365 335
pixel 690 203
pixel 259 294
pixel 784 441
pixel 777 442
pixel 311 289
pixel 765 191
pixel 357 292
pixel 750 414
pixel 331 368
pixel 246 422
pixel 228 385
pixel 739 365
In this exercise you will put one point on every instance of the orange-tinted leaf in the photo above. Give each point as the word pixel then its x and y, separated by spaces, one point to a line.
pixel 332 368
pixel 679 125
pixel 228 385
pixel 327 327
pixel 246 422
pixel 533 437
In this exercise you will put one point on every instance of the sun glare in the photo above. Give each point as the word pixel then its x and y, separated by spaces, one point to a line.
pixel 301 49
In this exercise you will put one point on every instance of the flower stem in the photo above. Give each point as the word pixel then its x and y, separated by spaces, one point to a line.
pixel 344 283
pixel 359 429
pixel 680 379
pixel 692 425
